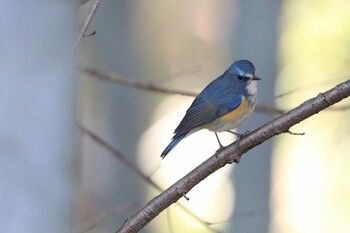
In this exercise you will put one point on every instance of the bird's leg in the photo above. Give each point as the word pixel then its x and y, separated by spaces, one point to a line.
pixel 238 135
pixel 217 137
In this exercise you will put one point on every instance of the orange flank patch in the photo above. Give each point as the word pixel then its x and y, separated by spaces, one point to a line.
pixel 235 114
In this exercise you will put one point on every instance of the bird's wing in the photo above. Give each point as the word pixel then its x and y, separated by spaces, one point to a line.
pixel 206 109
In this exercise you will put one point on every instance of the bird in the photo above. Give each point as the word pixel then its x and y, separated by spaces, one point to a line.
pixel 223 105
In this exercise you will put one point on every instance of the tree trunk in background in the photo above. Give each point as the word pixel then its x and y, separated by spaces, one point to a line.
pixel 110 110
pixel 36 115
pixel 256 40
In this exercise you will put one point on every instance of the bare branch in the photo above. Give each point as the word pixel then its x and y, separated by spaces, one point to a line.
pixel 327 82
pixel 296 134
pixel 93 222
pixel 82 2
pixel 269 110
pixel 90 34
pixel 247 214
pixel 151 87
pixel 189 70
pixel 339 108
pixel 234 152
pixel 120 157
pixel 87 22
pixel 134 168
pixel 131 83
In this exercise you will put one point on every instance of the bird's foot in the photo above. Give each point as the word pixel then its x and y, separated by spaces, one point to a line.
pixel 238 135
pixel 220 148
pixel 217 137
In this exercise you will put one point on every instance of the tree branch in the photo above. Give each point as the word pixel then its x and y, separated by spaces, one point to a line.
pixel 102 216
pixel 132 83
pixel 233 153
pixel 151 87
pixel 132 166
pixel 87 22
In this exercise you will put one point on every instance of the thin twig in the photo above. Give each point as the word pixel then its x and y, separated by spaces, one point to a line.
pixel 296 134
pixel 151 87
pixel 170 224
pixel 132 166
pixel 269 110
pixel 155 88
pixel 182 73
pixel 102 216
pixel 247 214
pixel 232 153
pixel 339 108
pixel 90 34
pixel 82 2
pixel 87 23
pixel 312 86
pixel 132 83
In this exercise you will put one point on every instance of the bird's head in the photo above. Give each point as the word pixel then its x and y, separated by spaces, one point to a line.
pixel 244 71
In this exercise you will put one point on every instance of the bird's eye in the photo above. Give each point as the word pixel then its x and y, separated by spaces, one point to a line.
pixel 240 77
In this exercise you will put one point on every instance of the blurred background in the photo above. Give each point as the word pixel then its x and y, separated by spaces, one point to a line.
pixel 288 184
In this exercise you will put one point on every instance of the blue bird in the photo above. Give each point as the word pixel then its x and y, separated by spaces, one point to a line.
pixel 223 105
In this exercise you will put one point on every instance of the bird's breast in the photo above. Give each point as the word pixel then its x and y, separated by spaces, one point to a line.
pixel 235 118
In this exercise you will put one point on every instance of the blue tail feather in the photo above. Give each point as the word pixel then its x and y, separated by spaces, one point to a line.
pixel 172 144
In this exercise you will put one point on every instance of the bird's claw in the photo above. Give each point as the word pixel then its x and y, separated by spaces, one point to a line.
pixel 238 135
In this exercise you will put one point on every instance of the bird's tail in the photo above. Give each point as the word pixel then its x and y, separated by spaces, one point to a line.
pixel 172 144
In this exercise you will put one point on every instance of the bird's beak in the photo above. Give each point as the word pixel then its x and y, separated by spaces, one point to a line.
pixel 256 78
